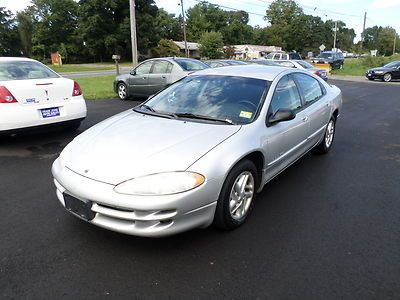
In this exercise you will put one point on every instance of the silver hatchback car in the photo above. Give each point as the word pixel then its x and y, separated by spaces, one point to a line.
pixel 198 152
pixel 153 75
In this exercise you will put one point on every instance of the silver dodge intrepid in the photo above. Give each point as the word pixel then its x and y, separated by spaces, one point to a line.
pixel 198 152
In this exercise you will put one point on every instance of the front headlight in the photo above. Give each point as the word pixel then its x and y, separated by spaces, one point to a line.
pixel 160 184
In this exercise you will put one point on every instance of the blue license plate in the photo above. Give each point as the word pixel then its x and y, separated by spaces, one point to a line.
pixel 50 112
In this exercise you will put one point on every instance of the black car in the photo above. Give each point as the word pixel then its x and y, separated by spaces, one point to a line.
pixel 335 59
pixel 386 73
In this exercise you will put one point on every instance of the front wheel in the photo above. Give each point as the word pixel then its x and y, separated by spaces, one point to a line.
pixel 122 91
pixel 387 77
pixel 325 145
pixel 237 196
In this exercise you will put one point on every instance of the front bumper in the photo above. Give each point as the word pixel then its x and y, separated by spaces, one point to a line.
pixel 374 75
pixel 150 216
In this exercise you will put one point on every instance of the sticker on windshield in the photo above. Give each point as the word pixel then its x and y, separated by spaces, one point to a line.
pixel 246 114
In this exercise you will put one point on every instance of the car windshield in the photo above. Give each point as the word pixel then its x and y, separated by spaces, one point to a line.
pixel 191 64
pixel 305 64
pixel 392 64
pixel 228 99
pixel 20 70
pixel 325 55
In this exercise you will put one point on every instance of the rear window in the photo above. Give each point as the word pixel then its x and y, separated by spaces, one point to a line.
pixel 191 64
pixel 22 70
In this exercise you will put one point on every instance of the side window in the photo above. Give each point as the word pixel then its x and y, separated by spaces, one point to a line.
pixel 286 96
pixel 161 67
pixel 309 87
pixel 144 68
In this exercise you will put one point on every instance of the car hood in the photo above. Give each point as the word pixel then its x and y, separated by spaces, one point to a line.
pixel 131 144
pixel 383 69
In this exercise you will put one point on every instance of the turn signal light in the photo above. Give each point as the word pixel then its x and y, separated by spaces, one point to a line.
pixel 6 96
pixel 77 90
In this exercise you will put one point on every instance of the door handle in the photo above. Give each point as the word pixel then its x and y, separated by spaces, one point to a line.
pixel 305 119
pixel 144 77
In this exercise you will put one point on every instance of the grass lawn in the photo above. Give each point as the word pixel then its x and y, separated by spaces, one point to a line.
pixel 98 87
pixel 352 66
pixel 81 67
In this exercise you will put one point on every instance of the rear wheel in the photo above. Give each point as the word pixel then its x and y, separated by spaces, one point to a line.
pixel 122 91
pixel 237 196
pixel 387 77
pixel 325 145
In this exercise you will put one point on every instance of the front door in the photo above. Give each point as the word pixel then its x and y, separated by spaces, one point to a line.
pixel 139 80
pixel 285 141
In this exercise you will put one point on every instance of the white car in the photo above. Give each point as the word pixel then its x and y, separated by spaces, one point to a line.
pixel 32 95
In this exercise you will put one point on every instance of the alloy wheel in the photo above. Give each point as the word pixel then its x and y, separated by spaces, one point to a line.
pixel 241 195
pixel 330 131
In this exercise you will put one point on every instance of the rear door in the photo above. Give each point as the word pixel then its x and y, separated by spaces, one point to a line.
pixel 159 76
pixel 316 105
pixel 138 82
pixel 396 71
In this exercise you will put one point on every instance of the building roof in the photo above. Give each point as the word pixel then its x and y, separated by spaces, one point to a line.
pixel 256 48
pixel 190 45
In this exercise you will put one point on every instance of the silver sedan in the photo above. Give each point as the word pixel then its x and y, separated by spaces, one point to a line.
pixel 198 152
pixel 152 75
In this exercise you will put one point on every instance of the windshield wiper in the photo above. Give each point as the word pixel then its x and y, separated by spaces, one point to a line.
pixel 148 107
pixel 200 117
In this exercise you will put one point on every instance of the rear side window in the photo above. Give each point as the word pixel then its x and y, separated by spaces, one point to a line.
pixel 309 87
pixel 22 70
pixel 161 67
pixel 286 96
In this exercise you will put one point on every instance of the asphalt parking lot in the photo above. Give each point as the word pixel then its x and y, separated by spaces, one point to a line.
pixel 326 228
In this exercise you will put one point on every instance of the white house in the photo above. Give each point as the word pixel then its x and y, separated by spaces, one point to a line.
pixel 253 51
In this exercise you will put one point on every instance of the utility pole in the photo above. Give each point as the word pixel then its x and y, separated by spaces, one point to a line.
pixel 362 34
pixel 394 43
pixel 133 32
pixel 334 38
pixel 184 30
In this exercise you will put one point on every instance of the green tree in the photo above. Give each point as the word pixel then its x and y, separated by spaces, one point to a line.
pixel 205 17
pixel 386 40
pixel 9 39
pixel 166 48
pixel 25 30
pixel 211 45
pixel 168 27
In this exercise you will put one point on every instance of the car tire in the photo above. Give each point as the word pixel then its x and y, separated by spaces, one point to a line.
pixel 237 196
pixel 326 144
pixel 387 77
pixel 341 66
pixel 122 91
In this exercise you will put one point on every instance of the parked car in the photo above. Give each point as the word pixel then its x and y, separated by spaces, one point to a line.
pixel 224 62
pixel 302 64
pixel 153 75
pixel 283 55
pixel 386 73
pixel 198 152
pixel 335 59
pixel 33 96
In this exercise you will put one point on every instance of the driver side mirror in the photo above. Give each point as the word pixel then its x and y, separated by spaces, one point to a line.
pixel 133 72
pixel 282 114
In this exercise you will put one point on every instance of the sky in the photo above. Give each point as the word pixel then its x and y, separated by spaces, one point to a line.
pixel 379 12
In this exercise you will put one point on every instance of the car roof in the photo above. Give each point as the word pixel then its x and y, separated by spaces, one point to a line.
pixel 250 71
pixel 16 59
